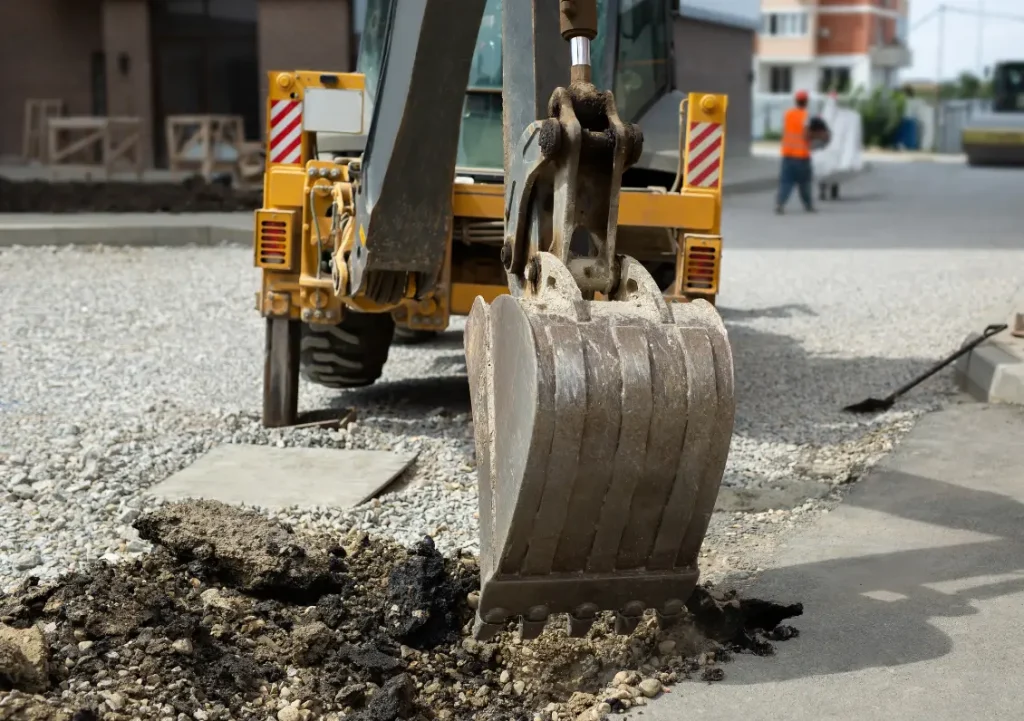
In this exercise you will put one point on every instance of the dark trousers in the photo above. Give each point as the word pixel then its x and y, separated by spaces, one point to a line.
pixel 795 171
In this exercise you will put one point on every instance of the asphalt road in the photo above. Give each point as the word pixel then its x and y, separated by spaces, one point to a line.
pixel 921 205
pixel 913 586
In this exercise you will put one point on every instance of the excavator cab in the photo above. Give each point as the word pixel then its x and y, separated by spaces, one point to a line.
pixel 630 55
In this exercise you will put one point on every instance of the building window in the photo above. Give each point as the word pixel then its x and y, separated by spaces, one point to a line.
pixel 789 24
pixel 835 79
pixel 901 30
pixel 780 79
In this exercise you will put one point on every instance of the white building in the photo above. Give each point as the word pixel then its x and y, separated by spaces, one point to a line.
pixel 823 45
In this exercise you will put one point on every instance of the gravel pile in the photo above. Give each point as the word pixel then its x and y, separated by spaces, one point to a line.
pixel 235 616
pixel 134 362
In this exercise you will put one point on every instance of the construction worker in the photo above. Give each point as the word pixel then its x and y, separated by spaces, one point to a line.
pixel 796 155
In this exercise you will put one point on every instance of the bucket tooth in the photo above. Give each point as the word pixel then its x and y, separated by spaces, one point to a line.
pixel 602 431
pixel 581 620
pixel 670 614
pixel 626 623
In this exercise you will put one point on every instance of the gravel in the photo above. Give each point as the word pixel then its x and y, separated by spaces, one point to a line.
pixel 134 362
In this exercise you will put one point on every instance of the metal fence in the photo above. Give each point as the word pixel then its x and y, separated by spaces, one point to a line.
pixel 953 115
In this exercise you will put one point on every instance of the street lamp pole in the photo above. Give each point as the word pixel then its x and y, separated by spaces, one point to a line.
pixel 940 45
pixel 981 39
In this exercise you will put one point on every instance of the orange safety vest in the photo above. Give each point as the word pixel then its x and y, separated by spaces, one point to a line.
pixel 794 134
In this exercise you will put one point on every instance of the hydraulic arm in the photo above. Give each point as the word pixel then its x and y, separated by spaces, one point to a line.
pixel 403 184
pixel 602 426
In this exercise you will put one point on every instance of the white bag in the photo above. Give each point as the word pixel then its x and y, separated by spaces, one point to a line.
pixel 843 155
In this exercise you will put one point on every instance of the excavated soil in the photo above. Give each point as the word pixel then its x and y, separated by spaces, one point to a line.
pixel 236 617
pixel 193 195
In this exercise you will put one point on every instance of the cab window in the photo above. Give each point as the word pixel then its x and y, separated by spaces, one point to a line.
pixel 642 72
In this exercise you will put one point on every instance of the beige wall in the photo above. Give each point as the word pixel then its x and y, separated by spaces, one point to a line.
pixel 718 59
pixel 126 30
pixel 769 47
pixel 45 53
pixel 303 35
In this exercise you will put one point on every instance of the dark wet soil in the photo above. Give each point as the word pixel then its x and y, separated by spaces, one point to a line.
pixel 190 196
pixel 237 617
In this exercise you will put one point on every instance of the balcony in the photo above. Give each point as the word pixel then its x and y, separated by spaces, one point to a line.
pixel 893 55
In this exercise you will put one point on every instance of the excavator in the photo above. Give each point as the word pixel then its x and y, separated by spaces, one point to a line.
pixel 602 400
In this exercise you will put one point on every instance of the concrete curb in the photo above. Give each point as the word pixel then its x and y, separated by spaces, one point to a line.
pixel 994 371
pixel 122 235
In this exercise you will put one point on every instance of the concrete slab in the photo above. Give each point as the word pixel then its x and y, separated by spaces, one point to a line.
pixel 278 478
pixel 994 371
pixel 912 591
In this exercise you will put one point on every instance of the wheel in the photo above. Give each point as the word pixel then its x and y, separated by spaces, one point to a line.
pixel 281 372
pixel 350 354
pixel 408 336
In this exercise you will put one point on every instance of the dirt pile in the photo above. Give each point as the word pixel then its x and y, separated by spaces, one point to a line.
pixel 193 195
pixel 236 617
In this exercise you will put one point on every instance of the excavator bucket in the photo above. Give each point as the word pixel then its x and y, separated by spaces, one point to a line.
pixel 602 426
pixel 602 433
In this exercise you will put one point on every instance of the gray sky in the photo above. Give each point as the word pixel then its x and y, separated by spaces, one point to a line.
pixel 1003 39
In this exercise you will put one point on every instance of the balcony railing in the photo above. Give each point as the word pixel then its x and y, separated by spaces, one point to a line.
pixel 892 55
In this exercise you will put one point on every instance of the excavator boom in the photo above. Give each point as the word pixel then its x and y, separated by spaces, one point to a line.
pixel 404 198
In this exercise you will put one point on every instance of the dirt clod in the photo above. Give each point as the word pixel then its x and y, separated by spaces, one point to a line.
pixel 24 659
pixel 393 702
pixel 422 601
pixel 240 549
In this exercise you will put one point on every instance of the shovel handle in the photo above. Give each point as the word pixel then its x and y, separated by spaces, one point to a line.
pixel 985 335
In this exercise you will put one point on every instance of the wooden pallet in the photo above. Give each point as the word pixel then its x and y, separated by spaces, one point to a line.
pixel 37 112
pixel 210 144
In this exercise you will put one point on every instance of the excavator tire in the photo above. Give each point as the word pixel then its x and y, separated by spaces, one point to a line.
pixel 350 354
pixel 602 431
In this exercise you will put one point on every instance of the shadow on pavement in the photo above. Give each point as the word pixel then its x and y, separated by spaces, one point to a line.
pixel 411 397
pixel 878 610
pixel 846 198
pixel 778 311
pixel 784 393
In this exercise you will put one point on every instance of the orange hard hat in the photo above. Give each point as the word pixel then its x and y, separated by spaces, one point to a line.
pixel 801 95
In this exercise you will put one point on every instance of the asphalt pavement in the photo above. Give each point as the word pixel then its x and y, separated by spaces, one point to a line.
pixel 913 590
pixel 917 205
